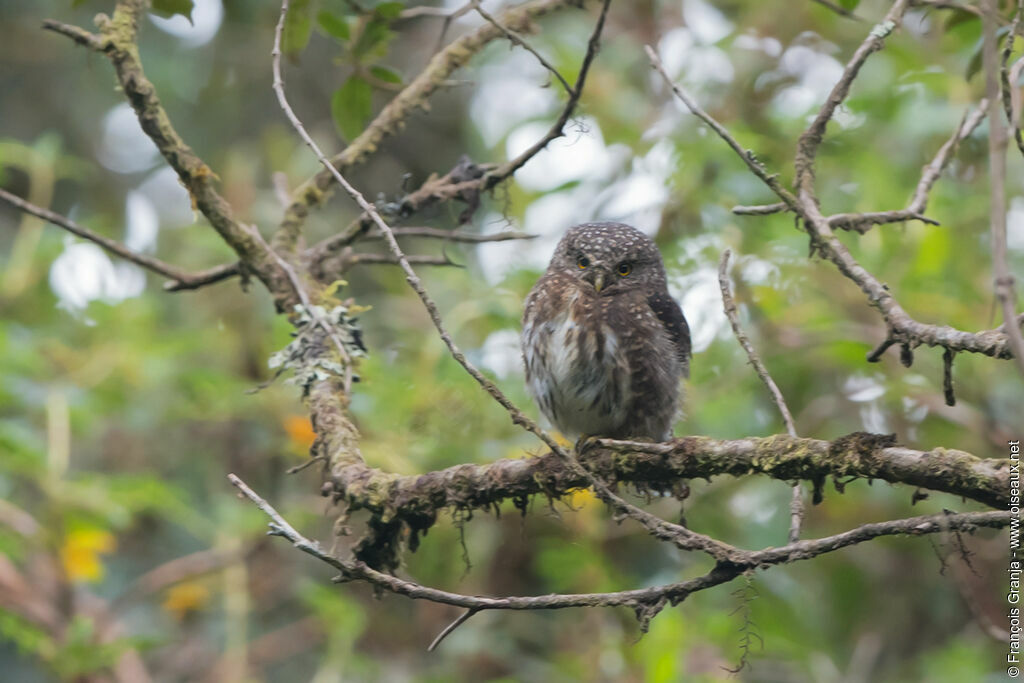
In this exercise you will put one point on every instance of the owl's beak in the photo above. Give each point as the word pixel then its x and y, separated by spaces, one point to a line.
pixel 599 280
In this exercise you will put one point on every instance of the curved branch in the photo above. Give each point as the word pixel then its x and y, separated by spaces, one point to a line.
pixel 391 119
pixel 901 327
pixel 118 40
pixel 646 601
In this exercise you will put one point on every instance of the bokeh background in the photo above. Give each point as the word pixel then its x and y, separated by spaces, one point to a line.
pixel 122 407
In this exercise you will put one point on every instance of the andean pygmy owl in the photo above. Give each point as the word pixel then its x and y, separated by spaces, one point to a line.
pixel 604 343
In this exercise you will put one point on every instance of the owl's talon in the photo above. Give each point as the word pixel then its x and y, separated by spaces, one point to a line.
pixel 586 443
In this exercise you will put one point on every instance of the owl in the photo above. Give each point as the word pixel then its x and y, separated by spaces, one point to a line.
pixel 604 344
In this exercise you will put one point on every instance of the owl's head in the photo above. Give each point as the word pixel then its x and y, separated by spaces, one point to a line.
pixel 610 257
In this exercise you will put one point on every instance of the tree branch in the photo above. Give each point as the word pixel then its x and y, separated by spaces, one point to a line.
pixel 646 601
pixel 729 305
pixel 175 274
pixel 391 119
pixel 517 39
pixel 901 327
pixel 417 499
pixel 118 41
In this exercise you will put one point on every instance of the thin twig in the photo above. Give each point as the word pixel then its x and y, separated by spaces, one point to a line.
pixel 930 173
pixel 1004 284
pixel 674 592
pixel 729 304
pixel 364 259
pixel 759 209
pixel 556 130
pixel 901 327
pixel 462 618
pixel 521 42
pixel 175 274
pixel 205 277
pixel 118 40
pixel 453 235
pixel 747 156
pixel 391 119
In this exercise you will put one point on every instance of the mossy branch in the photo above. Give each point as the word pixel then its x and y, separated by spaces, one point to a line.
pixel 118 40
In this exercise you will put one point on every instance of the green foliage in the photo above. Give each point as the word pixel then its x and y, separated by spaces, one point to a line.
pixel 298 26
pixel 333 25
pixel 351 106
pixel 169 8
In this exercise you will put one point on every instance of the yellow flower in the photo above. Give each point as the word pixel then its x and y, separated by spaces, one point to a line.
pixel 80 553
pixel 186 597
pixel 300 431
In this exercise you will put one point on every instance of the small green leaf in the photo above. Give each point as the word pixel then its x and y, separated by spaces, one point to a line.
pixel 385 74
pixel 351 107
pixel 333 25
pixel 298 26
pixel 389 10
pixel 373 41
pixel 168 8
pixel 849 5
pixel 975 63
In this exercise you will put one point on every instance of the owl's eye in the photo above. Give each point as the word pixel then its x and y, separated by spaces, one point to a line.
pixel 583 262
pixel 624 269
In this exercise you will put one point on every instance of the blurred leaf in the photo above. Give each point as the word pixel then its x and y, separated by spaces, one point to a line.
pixel 849 5
pixel 386 74
pixel 185 597
pixel 389 10
pixel 958 16
pixel 26 637
pixel 975 62
pixel 168 8
pixel 298 26
pixel 351 106
pixel 80 653
pixel 373 41
pixel 333 25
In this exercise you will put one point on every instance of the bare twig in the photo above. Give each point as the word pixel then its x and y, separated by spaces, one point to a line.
pixel 454 235
pixel 462 619
pixel 1005 289
pixel 557 129
pixel 363 259
pixel 391 119
pixel 796 506
pixel 205 277
pixel 675 592
pixel 748 157
pixel 521 42
pixel 807 148
pixel 729 304
pixel 759 209
pixel 930 173
pixel 175 274
pixel 901 327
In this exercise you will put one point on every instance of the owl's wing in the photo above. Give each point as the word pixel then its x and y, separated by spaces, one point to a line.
pixel 671 317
